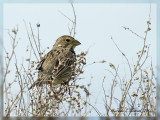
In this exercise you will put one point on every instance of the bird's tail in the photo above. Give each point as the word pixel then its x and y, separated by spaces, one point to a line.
pixel 40 81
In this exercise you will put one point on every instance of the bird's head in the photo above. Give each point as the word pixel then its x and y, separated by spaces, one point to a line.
pixel 66 41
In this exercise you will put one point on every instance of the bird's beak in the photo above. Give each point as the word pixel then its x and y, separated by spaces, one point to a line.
pixel 76 43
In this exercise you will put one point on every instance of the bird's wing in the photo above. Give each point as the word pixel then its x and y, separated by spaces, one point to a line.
pixel 44 60
pixel 57 62
pixel 43 67
pixel 65 60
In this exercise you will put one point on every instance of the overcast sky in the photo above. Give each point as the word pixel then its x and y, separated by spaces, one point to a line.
pixel 96 23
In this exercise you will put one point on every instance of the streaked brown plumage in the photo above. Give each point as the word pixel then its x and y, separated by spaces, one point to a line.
pixel 57 65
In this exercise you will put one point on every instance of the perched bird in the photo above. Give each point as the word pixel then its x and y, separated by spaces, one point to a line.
pixel 56 66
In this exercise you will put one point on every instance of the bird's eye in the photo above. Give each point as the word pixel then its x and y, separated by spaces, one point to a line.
pixel 67 40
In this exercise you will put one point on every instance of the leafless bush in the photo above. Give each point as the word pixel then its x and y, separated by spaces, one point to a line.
pixel 72 99
pixel 138 91
pixel 41 101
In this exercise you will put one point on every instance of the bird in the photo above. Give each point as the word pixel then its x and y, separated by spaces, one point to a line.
pixel 58 64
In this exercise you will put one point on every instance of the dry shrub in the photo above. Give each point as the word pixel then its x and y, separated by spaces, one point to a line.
pixel 138 91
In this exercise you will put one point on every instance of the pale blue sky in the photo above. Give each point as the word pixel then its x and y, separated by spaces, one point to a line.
pixel 96 23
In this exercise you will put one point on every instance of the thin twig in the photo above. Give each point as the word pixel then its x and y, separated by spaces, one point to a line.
pixel 123 55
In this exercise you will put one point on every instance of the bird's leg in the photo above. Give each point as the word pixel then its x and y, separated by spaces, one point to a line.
pixel 55 94
pixel 65 83
pixel 69 91
pixel 68 88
